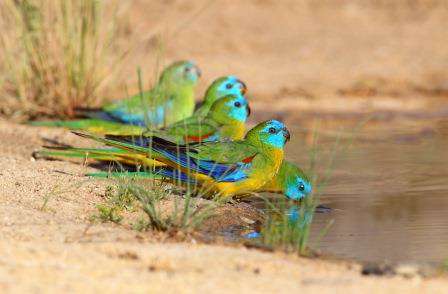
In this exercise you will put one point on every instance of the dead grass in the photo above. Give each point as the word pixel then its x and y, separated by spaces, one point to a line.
pixel 58 55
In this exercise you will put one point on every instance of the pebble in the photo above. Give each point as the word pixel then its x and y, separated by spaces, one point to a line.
pixel 407 270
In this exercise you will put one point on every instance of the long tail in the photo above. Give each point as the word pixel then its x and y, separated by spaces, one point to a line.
pixel 163 151
pixel 125 174
pixel 162 148
pixel 113 143
pixel 99 154
pixel 161 173
pixel 97 126
pixel 93 113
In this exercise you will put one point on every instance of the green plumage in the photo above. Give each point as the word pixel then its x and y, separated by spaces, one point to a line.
pixel 219 88
pixel 171 100
pixel 94 126
pixel 242 166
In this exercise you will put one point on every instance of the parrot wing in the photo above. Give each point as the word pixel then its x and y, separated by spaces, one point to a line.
pixel 135 110
pixel 195 131
pixel 223 161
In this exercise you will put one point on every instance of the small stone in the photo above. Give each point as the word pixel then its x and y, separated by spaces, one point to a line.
pixel 407 270
pixel 377 269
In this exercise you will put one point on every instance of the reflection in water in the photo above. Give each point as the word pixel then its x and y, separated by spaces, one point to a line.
pixel 389 191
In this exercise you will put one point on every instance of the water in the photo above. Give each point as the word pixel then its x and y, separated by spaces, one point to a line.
pixel 389 192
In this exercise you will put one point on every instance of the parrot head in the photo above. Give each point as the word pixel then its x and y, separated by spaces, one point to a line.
pixel 181 73
pixel 224 86
pixel 272 133
pixel 230 107
pixel 293 181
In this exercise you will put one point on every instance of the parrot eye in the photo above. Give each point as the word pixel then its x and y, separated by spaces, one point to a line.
pixel 237 104
pixel 187 69
pixel 302 187
pixel 229 86
pixel 272 131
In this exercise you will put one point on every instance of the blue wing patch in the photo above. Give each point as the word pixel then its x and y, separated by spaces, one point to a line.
pixel 174 174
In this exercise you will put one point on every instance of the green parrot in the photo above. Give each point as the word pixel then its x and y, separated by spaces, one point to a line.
pixel 219 88
pixel 170 100
pixel 226 168
pixel 290 180
pixel 225 121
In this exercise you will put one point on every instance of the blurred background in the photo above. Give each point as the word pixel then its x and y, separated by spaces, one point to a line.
pixel 327 56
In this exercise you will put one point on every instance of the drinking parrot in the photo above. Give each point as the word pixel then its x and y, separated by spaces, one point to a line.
pixel 290 180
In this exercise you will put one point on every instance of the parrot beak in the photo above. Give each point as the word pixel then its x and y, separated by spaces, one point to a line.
pixel 248 110
pixel 243 87
pixel 286 134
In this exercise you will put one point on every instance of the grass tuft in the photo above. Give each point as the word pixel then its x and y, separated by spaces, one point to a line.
pixel 288 225
pixel 57 55
pixel 163 213
pixel 118 200
pixel 108 213
pixel 162 210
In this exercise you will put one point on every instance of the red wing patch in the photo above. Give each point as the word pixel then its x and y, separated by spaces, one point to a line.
pixel 196 138
pixel 248 159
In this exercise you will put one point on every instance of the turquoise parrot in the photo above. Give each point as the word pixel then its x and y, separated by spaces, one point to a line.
pixel 290 180
pixel 224 168
pixel 170 100
pixel 219 88
pixel 225 121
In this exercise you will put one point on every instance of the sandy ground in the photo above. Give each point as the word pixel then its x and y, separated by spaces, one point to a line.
pixel 326 56
pixel 48 243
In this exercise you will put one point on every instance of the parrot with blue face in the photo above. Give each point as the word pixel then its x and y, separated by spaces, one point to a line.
pixel 225 121
pixel 171 99
pixel 220 88
pixel 290 180
pixel 224 168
